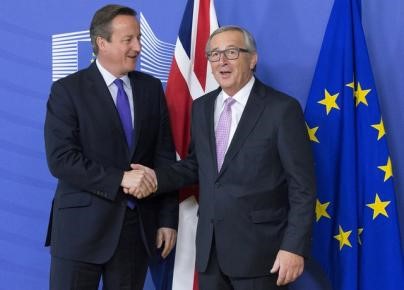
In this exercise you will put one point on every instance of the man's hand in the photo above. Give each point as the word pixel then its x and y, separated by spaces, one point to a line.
pixel 139 182
pixel 289 266
pixel 167 236
pixel 149 181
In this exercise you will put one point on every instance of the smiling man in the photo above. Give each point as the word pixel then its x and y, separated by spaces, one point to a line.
pixel 99 121
pixel 251 155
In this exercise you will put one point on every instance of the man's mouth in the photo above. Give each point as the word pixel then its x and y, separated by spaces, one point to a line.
pixel 225 72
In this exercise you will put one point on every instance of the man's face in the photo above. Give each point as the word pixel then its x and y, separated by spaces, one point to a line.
pixel 119 54
pixel 232 75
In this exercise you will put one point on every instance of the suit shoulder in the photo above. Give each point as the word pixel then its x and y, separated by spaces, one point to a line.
pixel 207 97
pixel 73 82
pixel 144 77
pixel 73 78
pixel 280 99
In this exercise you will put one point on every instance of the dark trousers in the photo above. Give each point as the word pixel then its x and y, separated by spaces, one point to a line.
pixel 214 279
pixel 126 270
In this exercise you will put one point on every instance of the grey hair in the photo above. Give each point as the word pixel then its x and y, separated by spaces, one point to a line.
pixel 249 40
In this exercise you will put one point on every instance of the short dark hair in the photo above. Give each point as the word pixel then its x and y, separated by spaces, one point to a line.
pixel 101 22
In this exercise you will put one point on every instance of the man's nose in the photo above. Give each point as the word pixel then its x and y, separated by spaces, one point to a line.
pixel 136 45
pixel 222 58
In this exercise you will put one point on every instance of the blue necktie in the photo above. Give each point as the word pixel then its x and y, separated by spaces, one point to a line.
pixel 123 107
pixel 122 104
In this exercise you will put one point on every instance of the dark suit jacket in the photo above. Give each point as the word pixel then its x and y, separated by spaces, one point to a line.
pixel 262 200
pixel 86 150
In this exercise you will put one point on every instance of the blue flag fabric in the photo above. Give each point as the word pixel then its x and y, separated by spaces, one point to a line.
pixel 356 233
pixel 161 272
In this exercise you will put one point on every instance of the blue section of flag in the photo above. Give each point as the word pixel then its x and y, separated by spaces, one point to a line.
pixel 186 27
pixel 162 272
pixel 85 54
pixel 356 235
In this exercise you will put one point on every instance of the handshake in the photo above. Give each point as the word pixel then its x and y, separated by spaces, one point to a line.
pixel 139 182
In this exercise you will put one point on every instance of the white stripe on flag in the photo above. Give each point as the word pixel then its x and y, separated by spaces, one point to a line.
pixel 184 265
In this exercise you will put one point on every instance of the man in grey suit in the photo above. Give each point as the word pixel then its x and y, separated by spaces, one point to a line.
pixel 251 155
pixel 99 121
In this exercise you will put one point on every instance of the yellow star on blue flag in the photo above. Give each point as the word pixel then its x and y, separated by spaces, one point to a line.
pixel 356 240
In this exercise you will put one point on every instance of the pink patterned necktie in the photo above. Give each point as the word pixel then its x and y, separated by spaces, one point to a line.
pixel 223 131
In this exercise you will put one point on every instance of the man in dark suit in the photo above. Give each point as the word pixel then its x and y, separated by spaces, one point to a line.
pixel 251 155
pixel 99 121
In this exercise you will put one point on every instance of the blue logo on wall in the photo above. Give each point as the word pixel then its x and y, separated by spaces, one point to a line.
pixel 65 52
pixel 85 54
pixel 73 51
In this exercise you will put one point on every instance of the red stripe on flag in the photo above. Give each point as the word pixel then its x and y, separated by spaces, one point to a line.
pixel 179 102
pixel 203 31
pixel 196 287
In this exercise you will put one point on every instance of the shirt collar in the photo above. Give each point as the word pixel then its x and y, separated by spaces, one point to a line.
pixel 110 78
pixel 242 95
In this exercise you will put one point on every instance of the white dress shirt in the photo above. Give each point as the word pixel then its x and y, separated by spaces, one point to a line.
pixel 113 89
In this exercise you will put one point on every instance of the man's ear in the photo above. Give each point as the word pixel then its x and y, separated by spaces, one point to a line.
pixel 253 61
pixel 101 42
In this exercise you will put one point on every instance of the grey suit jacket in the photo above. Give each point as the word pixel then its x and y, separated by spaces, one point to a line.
pixel 262 200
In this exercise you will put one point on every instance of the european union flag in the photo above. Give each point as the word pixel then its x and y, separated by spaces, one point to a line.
pixel 356 236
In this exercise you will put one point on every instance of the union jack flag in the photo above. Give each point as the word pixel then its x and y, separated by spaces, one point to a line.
pixel 189 79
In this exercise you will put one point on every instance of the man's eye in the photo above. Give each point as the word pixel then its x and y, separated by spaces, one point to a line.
pixel 214 54
pixel 231 52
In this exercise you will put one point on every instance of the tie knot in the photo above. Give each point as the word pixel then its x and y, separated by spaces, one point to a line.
pixel 229 101
pixel 119 83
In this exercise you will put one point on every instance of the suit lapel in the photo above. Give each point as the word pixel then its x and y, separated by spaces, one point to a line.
pixel 137 93
pixel 251 114
pixel 99 88
pixel 210 115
